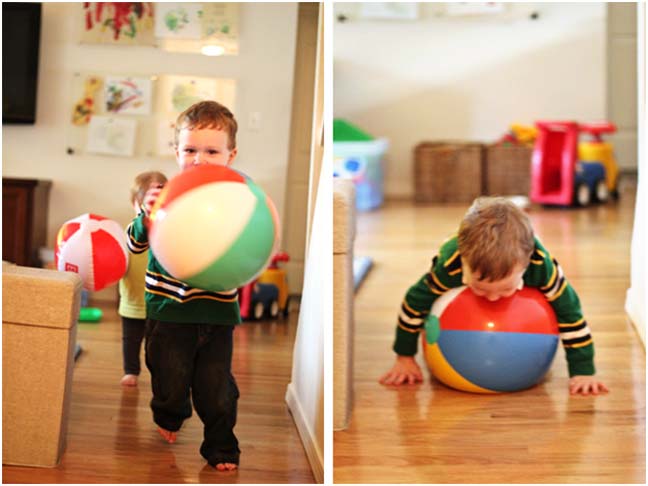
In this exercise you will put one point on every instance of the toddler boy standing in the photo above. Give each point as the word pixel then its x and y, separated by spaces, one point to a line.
pixel 189 330
pixel 132 306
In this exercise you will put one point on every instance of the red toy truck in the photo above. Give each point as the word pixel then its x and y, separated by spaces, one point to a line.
pixel 564 172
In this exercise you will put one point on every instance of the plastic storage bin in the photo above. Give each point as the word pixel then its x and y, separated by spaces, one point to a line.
pixel 359 157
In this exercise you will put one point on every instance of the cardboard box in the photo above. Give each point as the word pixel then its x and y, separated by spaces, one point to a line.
pixel 40 309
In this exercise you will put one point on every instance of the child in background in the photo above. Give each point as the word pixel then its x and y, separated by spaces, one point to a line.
pixel 132 307
pixel 496 254
pixel 189 334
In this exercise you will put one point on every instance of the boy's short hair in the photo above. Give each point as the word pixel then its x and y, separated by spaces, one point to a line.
pixel 494 236
pixel 142 183
pixel 207 114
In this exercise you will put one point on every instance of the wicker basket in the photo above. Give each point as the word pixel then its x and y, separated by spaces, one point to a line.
pixel 448 172
pixel 508 170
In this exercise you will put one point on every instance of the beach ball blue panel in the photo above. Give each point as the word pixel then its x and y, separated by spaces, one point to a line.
pixel 508 361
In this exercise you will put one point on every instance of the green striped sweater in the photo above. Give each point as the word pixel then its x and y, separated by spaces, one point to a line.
pixel 543 272
pixel 168 299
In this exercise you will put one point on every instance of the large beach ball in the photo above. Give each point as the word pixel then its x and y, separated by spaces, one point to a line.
pixel 94 247
pixel 213 228
pixel 475 345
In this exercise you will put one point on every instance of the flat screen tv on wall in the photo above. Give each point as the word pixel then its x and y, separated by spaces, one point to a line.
pixel 20 44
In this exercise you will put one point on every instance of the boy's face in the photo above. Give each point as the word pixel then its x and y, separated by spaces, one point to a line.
pixel 496 289
pixel 203 146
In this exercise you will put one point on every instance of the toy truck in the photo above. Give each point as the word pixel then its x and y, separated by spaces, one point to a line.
pixel 566 173
pixel 267 295
pixel 597 150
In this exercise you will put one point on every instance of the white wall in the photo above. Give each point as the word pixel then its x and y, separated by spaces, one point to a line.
pixel 305 393
pixel 466 78
pixel 637 297
pixel 91 183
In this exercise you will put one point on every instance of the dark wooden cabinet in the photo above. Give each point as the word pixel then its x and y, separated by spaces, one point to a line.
pixel 25 205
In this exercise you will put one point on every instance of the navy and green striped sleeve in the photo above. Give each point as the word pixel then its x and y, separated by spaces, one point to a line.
pixel 445 273
pixel 137 235
pixel 545 273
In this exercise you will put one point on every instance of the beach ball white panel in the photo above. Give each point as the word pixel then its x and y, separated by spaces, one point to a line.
pixel 197 228
pixel 77 251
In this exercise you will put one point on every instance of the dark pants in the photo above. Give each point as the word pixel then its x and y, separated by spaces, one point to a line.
pixel 132 335
pixel 196 358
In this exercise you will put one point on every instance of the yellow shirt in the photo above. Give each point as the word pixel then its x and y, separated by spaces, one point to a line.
pixel 131 287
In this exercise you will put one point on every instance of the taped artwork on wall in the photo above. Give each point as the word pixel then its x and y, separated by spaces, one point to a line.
pixel 208 28
pixel 136 114
pixel 123 23
pixel 111 136
pixel 86 106
pixel 180 92
pixel 177 93
pixel 127 96
pixel 115 96
pixel 178 20
pixel 220 20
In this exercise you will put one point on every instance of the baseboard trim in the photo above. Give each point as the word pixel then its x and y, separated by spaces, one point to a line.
pixel 632 316
pixel 313 452
pixel 632 324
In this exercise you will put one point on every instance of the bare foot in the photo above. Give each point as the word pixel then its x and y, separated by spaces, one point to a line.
pixel 129 380
pixel 227 466
pixel 169 436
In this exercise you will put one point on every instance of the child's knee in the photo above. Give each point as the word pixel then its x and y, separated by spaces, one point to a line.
pixel 219 391
pixel 229 391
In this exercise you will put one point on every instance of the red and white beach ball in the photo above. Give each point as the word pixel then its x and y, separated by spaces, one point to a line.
pixel 213 228
pixel 94 247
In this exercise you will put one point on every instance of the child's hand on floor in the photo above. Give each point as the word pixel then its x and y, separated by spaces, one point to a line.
pixel 584 385
pixel 405 371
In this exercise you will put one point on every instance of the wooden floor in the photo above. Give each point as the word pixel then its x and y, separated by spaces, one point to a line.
pixel 431 434
pixel 112 438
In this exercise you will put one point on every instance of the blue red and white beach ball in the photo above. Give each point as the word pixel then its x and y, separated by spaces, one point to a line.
pixel 480 346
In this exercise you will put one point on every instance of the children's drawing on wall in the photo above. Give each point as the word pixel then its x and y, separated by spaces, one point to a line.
pixel 105 106
pixel 180 92
pixel 186 92
pixel 111 136
pixel 127 96
pixel 116 97
pixel 182 20
pixel 220 19
pixel 177 93
pixel 208 28
pixel 126 23
pixel 86 106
